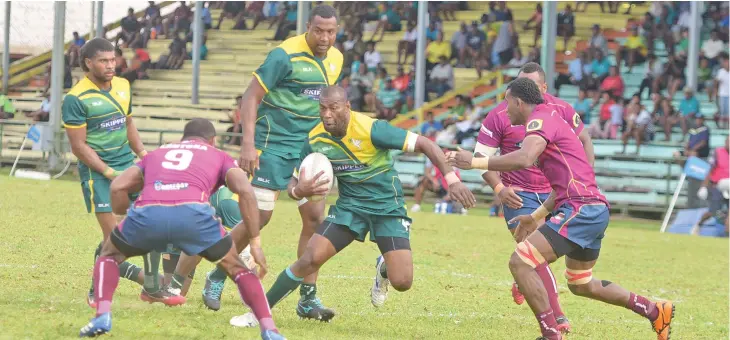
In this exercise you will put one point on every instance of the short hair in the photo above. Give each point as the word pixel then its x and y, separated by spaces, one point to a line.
pixel 199 127
pixel 526 90
pixel 92 47
pixel 324 12
pixel 333 91
pixel 533 67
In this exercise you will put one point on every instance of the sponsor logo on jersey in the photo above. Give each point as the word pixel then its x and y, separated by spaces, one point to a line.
pixel 102 205
pixel 312 93
pixel 159 186
pixel 113 124
pixel 185 146
pixel 348 167
pixel 263 180
pixel 356 142
pixel 326 148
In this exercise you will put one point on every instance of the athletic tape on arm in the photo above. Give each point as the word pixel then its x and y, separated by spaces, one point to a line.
pixel 485 150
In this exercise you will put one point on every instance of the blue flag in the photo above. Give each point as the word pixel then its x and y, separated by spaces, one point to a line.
pixel 697 168
pixel 34 134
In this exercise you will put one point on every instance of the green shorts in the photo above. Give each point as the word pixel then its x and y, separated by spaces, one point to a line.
pixel 274 171
pixel 393 224
pixel 95 188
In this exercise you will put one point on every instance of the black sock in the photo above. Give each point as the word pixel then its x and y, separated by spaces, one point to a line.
pixel 384 271
pixel 308 291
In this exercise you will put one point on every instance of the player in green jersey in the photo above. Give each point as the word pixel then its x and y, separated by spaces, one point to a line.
pixel 278 109
pixel 371 197
pixel 97 116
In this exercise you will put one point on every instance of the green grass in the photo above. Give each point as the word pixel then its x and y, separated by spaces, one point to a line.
pixel 461 287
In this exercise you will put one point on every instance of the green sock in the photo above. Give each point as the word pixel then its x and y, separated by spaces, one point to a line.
pixel 177 281
pixel 285 283
pixel 129 271
pixel 218 274
pixel 308 291
pixel 152 271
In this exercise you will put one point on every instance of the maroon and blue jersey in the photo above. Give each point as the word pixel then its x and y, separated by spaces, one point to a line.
pixel 185 172
pixel 498 132
pixel 563 162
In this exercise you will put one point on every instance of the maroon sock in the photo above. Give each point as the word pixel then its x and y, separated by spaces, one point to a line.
pixel 106 278
pixel 548 280
pixel 548 325
pixel 642 306
pixel 252 293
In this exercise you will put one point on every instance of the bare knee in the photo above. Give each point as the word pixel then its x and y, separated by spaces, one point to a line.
pixel 585 290
pixel 401 281
pixel 516 264
pixel 309 262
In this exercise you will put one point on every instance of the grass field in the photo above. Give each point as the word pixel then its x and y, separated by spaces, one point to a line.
pixel 461 287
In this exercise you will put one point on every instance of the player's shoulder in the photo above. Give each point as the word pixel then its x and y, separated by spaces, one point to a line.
pixel 317 130
pixel 80 87
pixel 120 83
pixel 294 45
pixel 497 114
pixel 542 116
pixel 335 55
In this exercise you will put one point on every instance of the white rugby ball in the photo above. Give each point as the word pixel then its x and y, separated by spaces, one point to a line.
pixel 313 164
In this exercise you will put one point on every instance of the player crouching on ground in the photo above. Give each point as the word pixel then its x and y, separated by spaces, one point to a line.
pixel 371 198
pixel 176 181
pixel 580 213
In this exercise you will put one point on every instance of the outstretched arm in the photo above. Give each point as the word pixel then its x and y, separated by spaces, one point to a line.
pixel 526 156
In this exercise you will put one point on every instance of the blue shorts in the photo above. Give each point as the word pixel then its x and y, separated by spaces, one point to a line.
pixel 723 103
pixel 192 227
pixel 530 202
pixel 584 227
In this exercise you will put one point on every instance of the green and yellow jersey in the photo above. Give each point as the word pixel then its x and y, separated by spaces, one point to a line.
pixel 361 161
pixel 104 116
pixel 293 78
pixel 226 207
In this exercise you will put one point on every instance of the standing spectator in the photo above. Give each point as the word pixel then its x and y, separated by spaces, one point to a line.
pixel 407 45
pixel 617 117
pixel 566 25
pixel 436 50
pixel 582 107
pixel 712 48
pixel 613 83
pixel 207 18
pixel 722 86
pixel 597 40
pixel 688 107
pixel 475 41
pixel 720 171
pixel 503 44
pixel 634 50
pixel 372 58
pixel 536 21
pixel 441 78
pixel 130 34
pixel 388 101
pixel 654 72
pixel 431 31
pixel 151 13
pixel 74 49
pixel 458 44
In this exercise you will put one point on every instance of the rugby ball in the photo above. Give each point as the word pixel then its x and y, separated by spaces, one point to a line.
pixel 313 164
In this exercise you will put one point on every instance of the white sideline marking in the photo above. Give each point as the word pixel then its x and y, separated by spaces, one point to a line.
pixel 18 266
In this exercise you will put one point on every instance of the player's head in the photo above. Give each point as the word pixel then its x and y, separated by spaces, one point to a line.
pixel 199 128
pixel 534 72
pixel 97 58
pixel 322 29
pixel 522 96
pixel 334 109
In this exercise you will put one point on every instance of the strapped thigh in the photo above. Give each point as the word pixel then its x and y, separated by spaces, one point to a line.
pixel 578 277
pixel 529 254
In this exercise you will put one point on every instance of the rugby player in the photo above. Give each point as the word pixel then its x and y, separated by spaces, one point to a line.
pixel 176 181
pixel 278 110
pixel 522 192
pixel 580 213
pixel 370 196
pixel 97 115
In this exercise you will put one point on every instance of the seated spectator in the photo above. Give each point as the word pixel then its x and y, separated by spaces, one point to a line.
pixel 597 40
pixel 75 49
pixel 688 107
pixel 401 80
pixel 698 144
pixel 602 128
pixel 535 23
pixel 639 127
pixel 156 30
pixel 663 27
pixel 582 107
pixel 120 61
pixel 441 79
pixel 42 114
pixel 712 48
pixel 176 54
pixel 388 101
pixel 430 126
pixel 600 66
pixel 458 45
pixel 517 59
pixel 704 79
pixel 579 74
pixel 7 109
pixel 654 72
pixel 179 20
pixel 432 180
pixel 475 41
pixel 666 115
pixel 722 89
pixel 151 13
pixel 287 21
pixel 389 21
pixel 203 50
pixel 140 64
pixel 682 48
pixel 407 45
pixel 436 50
pixel 236 11
pixel 380 76
pixel 130 34
pixel 504 43
pixel 613 83
pixel 372 58
pixel 673 77
pixel 362 83
pixel 720 171
pixel 566 25
pixel 634 50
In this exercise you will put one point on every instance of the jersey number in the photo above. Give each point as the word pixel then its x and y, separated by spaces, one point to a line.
pixel 177 159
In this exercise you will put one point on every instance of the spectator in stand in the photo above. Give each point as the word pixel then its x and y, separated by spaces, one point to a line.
pixel 666 115
pixel 613 83
pixel 475 41
pixel 388 101
pixel 579 71
pixel 602 128
pixel 362 83
pixel 379 83
pixel 499 10
pixel 673 77
pixel 287 21
pixel 712 48
pixel 640 127
pixel 43 113
pixel 600 67
pixel 7 109
pixel 176 53
pixel 698 144
pixel 372 58
pixel 75 49
pixel 432 180
pixel 597 40
pixel 179 20
pixel 720 171
pixel 207 17
pixel 688 107
pixel 407 45
pixel 634 50
pixel 156 30
pixel 566 25
pixel 430 126
pixel 436 50
pixel 704 79
pixel 130 34
pixel 663 28
pixel 517 59
pixel 432 31
pixel 582 107
pixel 354 46
pixel 235 10
pixel 400 83
pixel 120 61
pixel 390 21
pixel 458 44
pixel 441 79
pixel 654 73
pixel 140 64
pixel 203 49
pixel 151 13
pixel 617 117
pixel 535 23
pixel 504 43
pixel 722 88
pixel 682 48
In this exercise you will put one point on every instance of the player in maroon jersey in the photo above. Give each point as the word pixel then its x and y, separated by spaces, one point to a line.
pixel 176 182
pixel 580 213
